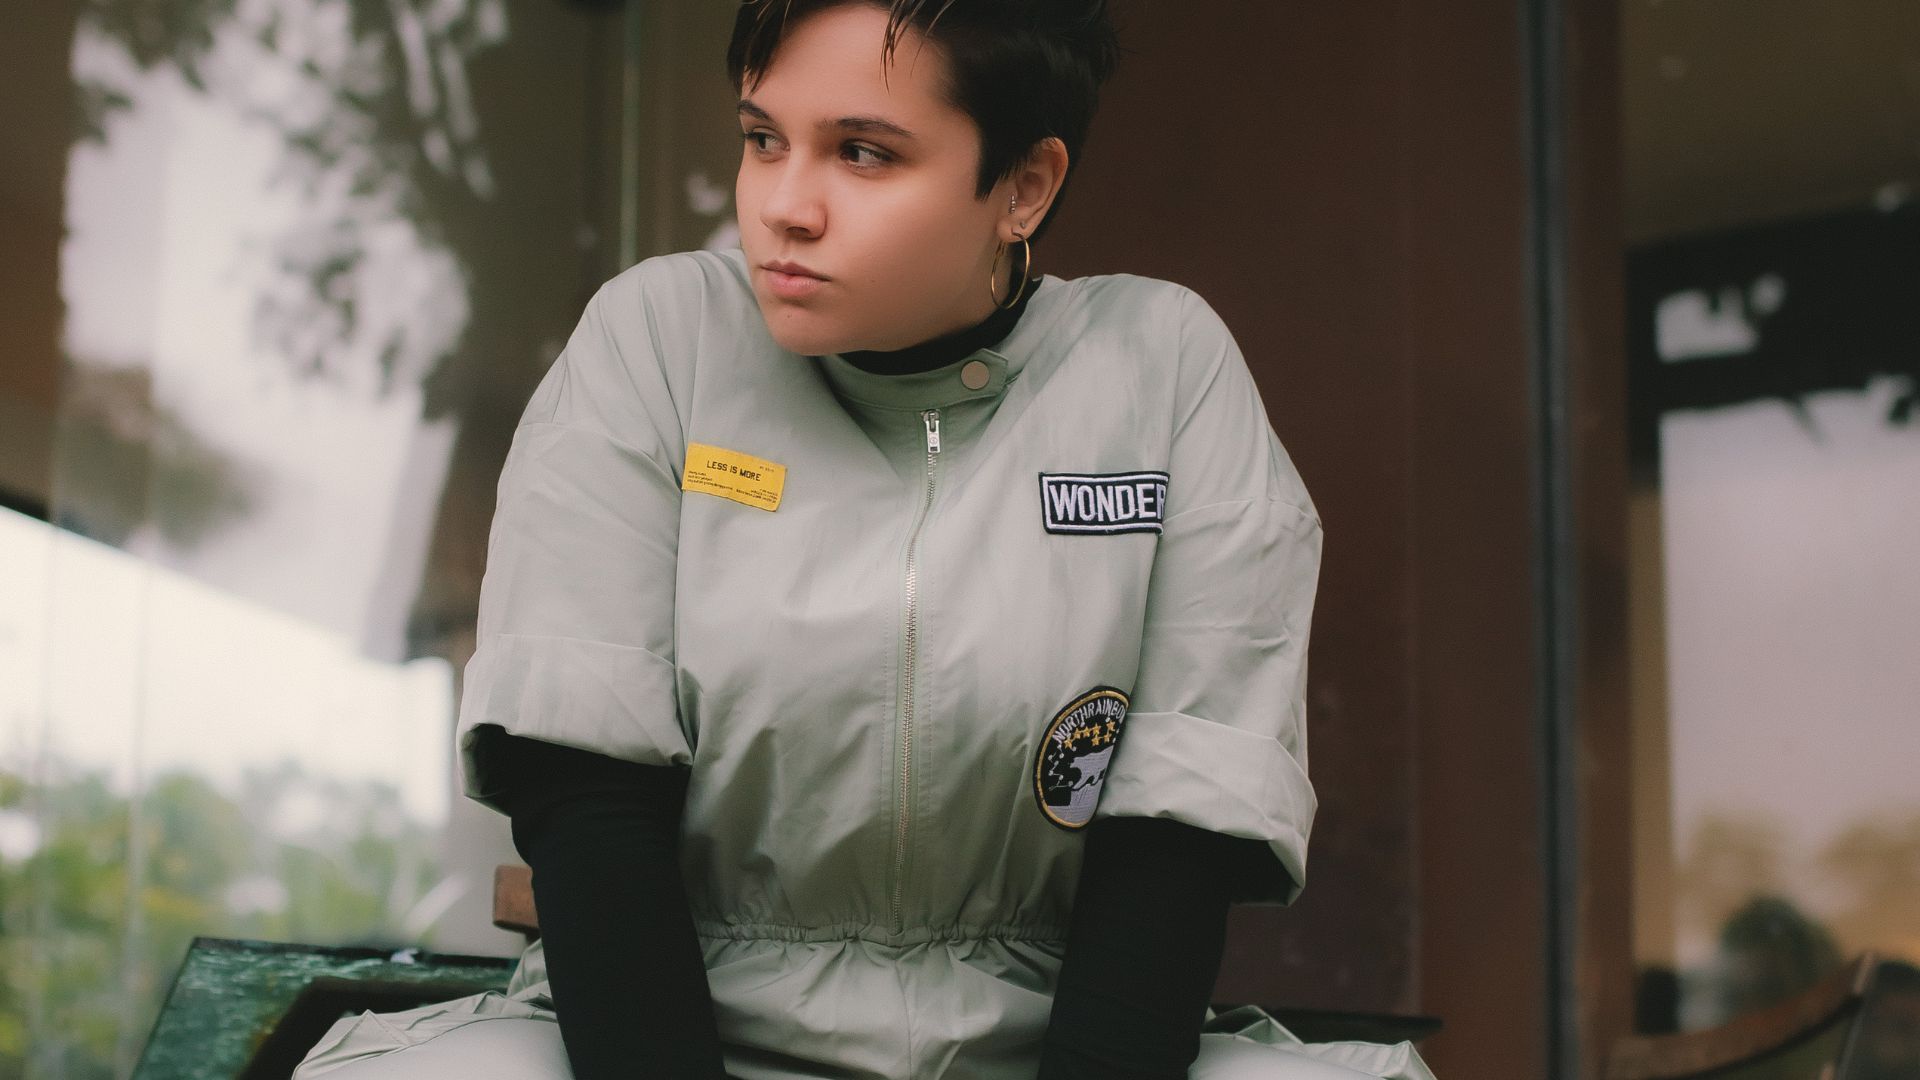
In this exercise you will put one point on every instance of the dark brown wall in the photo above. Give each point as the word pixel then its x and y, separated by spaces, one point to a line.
pixel 36 128
pixel 1481 855
pixel 1603 964
pixel 1348 185
pixel 1247 158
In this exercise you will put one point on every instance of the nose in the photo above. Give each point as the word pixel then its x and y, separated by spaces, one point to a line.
pixel 793 204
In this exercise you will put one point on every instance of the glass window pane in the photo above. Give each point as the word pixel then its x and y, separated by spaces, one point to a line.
pixel 313 256
pixel 1775 373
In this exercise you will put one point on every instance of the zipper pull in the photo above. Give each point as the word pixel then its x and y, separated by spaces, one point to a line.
pixel 932 417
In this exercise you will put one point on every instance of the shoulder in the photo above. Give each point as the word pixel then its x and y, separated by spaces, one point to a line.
pixel 1163 326
pixel 627 372
pixel 1130 300
pixel 718 273
pixel 677 296
pixel 1211 397
pixel 1152 310
pixel 655 320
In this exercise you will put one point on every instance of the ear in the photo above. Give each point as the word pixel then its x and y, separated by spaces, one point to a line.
pixel 1032 189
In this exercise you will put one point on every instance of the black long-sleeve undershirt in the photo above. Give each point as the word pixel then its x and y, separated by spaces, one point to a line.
pixel 1144 947
pixel 623 962
pixel 1143 950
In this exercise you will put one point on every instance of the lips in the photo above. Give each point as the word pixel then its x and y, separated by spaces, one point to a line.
pixel 794 269
pixel 792 281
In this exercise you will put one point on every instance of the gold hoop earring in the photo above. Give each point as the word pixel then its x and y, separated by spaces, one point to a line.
pixel 1026 275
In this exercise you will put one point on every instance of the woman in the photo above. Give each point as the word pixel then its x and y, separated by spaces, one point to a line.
pixel 891 660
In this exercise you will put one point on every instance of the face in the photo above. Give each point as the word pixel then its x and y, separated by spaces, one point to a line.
pixel 868 184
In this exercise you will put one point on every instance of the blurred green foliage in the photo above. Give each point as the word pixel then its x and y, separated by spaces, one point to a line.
pixel 100 899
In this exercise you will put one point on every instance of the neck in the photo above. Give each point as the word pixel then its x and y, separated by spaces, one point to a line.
pixel 945 349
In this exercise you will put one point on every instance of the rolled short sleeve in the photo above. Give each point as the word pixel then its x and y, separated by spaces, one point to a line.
pixel 575 634
pixel 1216 733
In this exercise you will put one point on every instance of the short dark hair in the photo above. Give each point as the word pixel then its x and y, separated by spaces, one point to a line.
pixel 1022 69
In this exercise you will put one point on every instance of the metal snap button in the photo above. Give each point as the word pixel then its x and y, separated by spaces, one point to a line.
pixel 974 375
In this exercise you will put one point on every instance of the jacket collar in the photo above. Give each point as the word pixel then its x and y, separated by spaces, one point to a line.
pixel 947 385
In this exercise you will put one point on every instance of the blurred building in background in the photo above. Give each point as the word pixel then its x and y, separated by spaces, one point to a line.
pixel 1591 324
pixel 1772 211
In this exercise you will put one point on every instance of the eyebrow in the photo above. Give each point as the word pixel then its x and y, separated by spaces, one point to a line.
pixel 862 124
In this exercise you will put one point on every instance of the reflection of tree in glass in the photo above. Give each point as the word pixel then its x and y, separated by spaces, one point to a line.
pixel 373 102
pixel 1770 951
pixel 290 857
pixel 123 456
pixel 427 250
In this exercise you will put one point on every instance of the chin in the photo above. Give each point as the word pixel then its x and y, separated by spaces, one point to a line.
pixel 800 331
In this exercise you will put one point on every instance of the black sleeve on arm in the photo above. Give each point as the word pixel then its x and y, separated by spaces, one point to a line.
pixel 1143 951
pixel 623 962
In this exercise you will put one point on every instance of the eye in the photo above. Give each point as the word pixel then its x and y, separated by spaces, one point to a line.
pixel 750 136
pixel 880 157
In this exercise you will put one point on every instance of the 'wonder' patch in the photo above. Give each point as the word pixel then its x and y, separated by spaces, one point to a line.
pixel 1103 503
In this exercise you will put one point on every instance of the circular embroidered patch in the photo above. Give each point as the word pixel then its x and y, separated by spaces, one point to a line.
pixel 1071 765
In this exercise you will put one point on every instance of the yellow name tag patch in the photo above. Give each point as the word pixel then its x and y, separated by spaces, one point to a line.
pixel 731 474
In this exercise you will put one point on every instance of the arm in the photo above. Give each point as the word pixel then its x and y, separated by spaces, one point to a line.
pixel 1207 799
pixel 1144 948
pixel 568 714
pixel 1216 733
pixel 624 965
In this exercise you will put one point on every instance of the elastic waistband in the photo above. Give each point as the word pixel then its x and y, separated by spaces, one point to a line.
pixel 1034 934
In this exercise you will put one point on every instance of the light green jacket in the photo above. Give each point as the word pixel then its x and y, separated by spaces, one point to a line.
pixel 900 690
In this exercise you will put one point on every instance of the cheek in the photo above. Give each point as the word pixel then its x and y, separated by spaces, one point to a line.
pixel 746 199
pixel 919 243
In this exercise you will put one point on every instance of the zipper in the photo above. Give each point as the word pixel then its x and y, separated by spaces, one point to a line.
pixel 903 818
